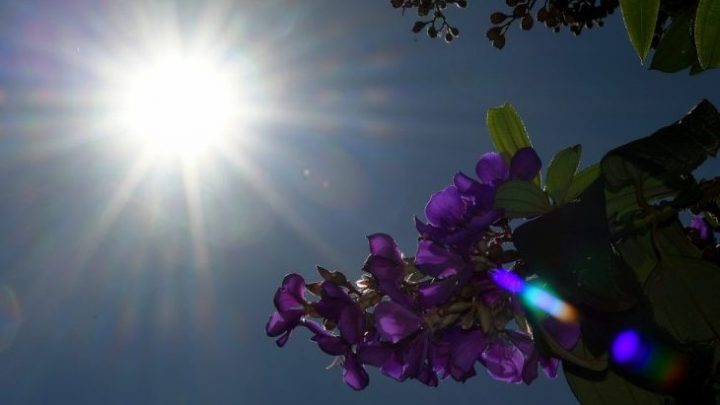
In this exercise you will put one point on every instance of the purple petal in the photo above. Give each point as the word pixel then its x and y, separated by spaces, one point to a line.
pixel 482 222
pixel 354 373
pixel 279 323
pixel 525 165
pixel 331 344
pixel 383 269
pixel 704 230
pixel 550 366
pixel 415 354
pixel 384 245
pixel 374 354
pixel 427 231
pixel 436 260
pixel 504 361
pixel 466 349
pixel 526 345
pixel 436 292
pixel 395 322
pixel 282 340
pixel 491 169
pixel 427 376
pixel 445 208
pixel 351 323
pixel 291 294
pixel 464 183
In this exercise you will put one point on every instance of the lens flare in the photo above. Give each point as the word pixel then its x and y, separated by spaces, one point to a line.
pixel 535 296
pixel 10 317
pixel 626 346
pixel 642 357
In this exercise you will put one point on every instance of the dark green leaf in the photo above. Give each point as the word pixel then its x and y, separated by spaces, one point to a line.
pixel 626 199
pixel 683 293
pixel 582 181
pixel 608 388
pixel 640 17
pixel 670 154
pixel 707 33
pixel 570 248
pixel 561 172
pixel 676 50
pixel 521 199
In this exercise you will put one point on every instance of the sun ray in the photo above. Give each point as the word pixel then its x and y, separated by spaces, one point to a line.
pixel 99 228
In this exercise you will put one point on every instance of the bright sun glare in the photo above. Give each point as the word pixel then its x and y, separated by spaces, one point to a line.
pixel 177 105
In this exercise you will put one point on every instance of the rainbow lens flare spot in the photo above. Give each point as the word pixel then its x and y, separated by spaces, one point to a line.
pixel 626 346
pixel 651 360
pixel 534 295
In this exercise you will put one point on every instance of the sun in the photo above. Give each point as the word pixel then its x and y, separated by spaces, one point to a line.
pixel 177 104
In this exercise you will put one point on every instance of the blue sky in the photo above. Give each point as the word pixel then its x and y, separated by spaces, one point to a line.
pixel 365 120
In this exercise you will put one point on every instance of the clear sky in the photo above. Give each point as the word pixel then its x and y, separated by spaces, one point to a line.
pixel 110 291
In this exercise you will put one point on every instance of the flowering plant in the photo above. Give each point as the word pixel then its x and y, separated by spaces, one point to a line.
pixel 589 268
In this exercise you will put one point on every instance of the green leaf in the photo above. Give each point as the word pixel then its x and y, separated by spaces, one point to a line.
pixel 521 199
pixel 561 172
pixel 640 17
pixel 676 50
pixel 707 33
pixel 582 180
pixel 683 292
pixel 507 132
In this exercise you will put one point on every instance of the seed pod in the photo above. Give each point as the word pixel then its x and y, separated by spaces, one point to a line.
pixel 454 31
pixel 461 3
pixel 499 43
pixel 520 10
pixel 527 22
pixel 432 32
pixel 329 324
pixel 449 37
pixel 419 25
pixel 498 17
pixel 494 33
pixel 542 14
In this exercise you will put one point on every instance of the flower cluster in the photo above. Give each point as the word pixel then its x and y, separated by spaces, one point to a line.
pixel 439 313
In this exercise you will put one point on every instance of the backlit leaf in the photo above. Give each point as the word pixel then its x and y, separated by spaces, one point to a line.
pixel 640 17
pixel 707 33
pixel 521 199
pixel 561 172
pixel 676 50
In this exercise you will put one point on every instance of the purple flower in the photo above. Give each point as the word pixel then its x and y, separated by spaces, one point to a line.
pixel 395 322
pixel 492 169
pixel 354 373
pixel 290 304
pixel 437 260
pixel 460 350
pixel 406 355
pixel 503 359
pixel 699 224
pixel 386 265
pixel 524 165
pixel 335 304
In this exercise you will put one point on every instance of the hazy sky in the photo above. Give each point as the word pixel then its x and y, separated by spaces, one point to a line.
pixel 103 299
